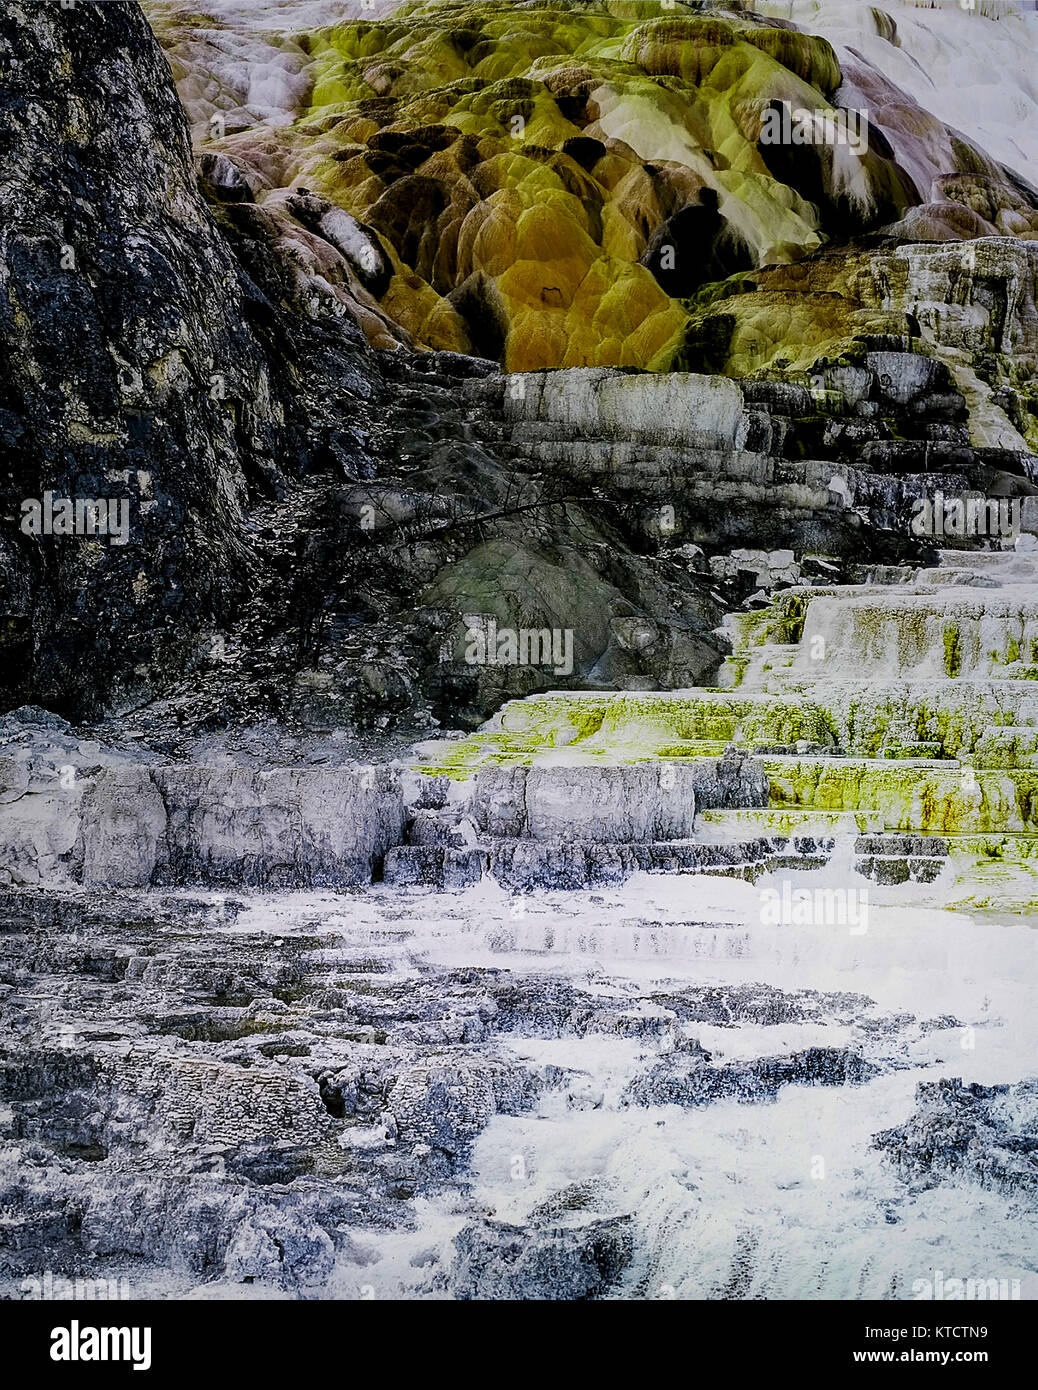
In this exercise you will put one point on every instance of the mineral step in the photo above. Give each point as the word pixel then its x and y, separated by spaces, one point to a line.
pixel 631 727
pixel 525 865
pixel 930 751
pixel 894 859
pixel 766 662
pixel 891 870
pixel 770 820
pixel 925 846
pixel 999 561
pixel 643 459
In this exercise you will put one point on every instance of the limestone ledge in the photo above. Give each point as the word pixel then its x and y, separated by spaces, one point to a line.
pixel 135 826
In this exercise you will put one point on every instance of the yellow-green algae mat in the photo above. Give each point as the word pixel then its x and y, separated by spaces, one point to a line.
pixel 934 796
pixel 516 161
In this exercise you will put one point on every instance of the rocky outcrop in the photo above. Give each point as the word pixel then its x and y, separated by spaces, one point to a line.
pixel 968 305
pixel 971 1133
pixel 138 370
pixel 497 1261
pixel 79 813
pixel 687 1078
pixel 445 1103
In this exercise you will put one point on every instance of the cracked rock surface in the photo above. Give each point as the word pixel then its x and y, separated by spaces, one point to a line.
pixel 471 1095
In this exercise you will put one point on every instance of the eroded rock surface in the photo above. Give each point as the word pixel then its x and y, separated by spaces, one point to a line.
pixel 971 1133
pixel 396 1093
pixel 79 811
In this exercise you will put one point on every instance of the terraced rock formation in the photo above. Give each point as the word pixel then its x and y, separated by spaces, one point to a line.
pixel 544 804
pixel 896 717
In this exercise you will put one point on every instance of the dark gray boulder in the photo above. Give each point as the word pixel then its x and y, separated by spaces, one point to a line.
pixel 497 1261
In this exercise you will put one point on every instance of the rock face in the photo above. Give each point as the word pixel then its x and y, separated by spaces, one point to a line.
pixel 700 412
pixel 614 804
pixel 494 1261
pixel 786 762
pixel 136 368
pixel 119 823
pixel 445 1104
pixel 688 1079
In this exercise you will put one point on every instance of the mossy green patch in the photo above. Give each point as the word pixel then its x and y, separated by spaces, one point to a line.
pixel 929 799
pixel 952 650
